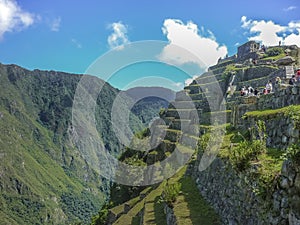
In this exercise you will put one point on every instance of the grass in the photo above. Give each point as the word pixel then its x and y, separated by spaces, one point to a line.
pixel 268 113
pixel 191 208
pixel 274 57
pixel 268 164
pixel 152 201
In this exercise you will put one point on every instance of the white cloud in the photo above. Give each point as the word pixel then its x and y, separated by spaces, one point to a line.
pixel 178 85
pixel 188 44
pixel 190 80
pixel 119 36
pixel 268 32
pixel 76 43
pixel 290 8
pixel 13 18
pixel 55 24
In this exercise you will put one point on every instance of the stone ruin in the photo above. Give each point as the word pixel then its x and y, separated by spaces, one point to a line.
pixel 248 50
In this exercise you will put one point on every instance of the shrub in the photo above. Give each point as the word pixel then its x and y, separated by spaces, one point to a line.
pixel 245 152
pixel 274 51
pixel 170 192
pixel 293 153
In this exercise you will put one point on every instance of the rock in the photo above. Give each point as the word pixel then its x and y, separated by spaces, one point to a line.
pixel 294 90
pixel 297 182
pixel 287 60
pixel 293 220
pixel 284 183
pixel 284 139
pixel 284 202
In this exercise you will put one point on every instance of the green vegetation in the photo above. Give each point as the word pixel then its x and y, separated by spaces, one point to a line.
pixel 44 177
pixel 171 192
pixel 251 156
pixel 275 51
pixel 191 208
pixel 148 108
pixel 293 153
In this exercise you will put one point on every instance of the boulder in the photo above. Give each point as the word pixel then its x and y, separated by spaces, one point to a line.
pixel 287 60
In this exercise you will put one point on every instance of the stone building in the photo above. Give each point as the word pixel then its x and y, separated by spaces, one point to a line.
pixel 248 50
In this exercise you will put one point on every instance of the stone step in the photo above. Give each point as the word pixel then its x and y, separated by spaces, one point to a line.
pixel 182 96
pixel 173 135
pixel 184 104
pixel 219 68
pixel 189 140
pixel 168 120
pixel 183 113
pixel 167 146
pixel 152 205
pixel 180 124
pixel 115 213
pixel 210 78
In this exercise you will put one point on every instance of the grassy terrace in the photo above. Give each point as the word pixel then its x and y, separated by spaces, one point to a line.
pixel 268 162
pixel 190 207
pixel 269 113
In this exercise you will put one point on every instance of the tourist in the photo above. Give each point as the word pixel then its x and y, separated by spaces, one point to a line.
pixel 269 87
pixel 243 91
pixel 298 75
pixel 250 91
pixel 278 81
pixel 292 80
pixel 256 92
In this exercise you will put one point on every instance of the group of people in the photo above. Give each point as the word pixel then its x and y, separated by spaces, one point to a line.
pixel 250 91
pixel 295 78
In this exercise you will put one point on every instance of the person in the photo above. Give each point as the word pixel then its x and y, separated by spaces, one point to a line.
pixel 242 91
pixel 269 87
pixel 250 91
pixel 292 80
pixel 278 81
pixel 265 91
pixel 255 92
pixel 298 75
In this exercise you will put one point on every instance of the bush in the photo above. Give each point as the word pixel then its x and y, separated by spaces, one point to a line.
pixel 170 193
pixel 274 51
pixel 245 152
pixel 293 153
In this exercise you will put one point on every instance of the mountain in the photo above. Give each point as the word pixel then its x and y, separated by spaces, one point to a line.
pixel 149 101
pixel 44 177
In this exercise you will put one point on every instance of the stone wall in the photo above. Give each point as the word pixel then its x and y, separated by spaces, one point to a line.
pixel 232 194
pixel 282 97
pixel 280 130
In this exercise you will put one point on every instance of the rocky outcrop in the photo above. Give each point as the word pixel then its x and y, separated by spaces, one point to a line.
pixel 288 60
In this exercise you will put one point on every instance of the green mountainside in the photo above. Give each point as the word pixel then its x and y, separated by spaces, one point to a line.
pixel 43 176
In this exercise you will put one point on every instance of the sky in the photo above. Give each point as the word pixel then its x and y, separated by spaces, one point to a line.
pixel 72 36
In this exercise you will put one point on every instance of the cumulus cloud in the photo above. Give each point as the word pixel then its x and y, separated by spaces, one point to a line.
pixel 270 33
pixel 55 24
pixel 13 18
pixel 189 80
pixel 118 38
pixel 178 85
pixel 188 44
pixel 290 8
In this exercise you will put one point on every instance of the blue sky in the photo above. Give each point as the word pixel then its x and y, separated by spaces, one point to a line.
pixel 70 35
